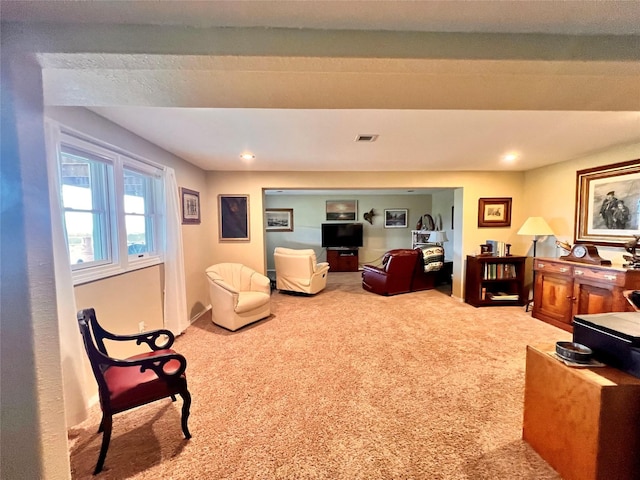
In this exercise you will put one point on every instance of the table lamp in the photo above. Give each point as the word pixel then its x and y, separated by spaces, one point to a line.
pixel 535 227
pixel 438 237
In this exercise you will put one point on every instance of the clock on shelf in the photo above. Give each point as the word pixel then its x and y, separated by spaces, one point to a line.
pixel 585 253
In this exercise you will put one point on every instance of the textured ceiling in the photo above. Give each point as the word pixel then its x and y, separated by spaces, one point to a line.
pixel 583 17
pixel 298 90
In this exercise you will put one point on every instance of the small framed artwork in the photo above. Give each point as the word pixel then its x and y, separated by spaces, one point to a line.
pixel 278 219
pixel 608 204
pixel 190 200
pixel 342 209
pixel 494 212
pixel 233 214
pixel 395 218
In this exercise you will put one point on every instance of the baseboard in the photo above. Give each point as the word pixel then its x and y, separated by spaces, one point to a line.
pixel 197 316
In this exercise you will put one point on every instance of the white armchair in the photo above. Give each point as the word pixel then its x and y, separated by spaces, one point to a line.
pixel 298 270
pixel 239 295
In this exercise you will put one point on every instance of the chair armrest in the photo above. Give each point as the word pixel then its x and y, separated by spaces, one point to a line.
pixel 373 269
pixel 150 338
pixel 260 283
pixel 322 266
pixel 157 363
pixel 226 286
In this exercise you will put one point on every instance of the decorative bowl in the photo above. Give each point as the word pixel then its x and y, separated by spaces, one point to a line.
pixel 574 352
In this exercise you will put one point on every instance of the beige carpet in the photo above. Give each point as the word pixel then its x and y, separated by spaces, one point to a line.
pixel 342 385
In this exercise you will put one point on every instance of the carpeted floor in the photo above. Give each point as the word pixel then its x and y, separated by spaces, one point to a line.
pixel 342 385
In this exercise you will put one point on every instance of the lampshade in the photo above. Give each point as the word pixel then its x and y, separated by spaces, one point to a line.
pixel 535 226
pixel 438 237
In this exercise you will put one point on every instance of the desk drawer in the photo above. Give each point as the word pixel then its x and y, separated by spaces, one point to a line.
pixel 610 277
pixel 552 267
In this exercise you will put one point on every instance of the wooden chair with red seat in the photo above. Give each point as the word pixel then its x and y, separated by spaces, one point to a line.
pixel 124 384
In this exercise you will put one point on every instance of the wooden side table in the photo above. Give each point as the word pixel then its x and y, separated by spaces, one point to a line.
pixel 585 422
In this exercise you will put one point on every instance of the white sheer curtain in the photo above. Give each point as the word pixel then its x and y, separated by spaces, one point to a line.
pixel 75 365
pixel 176 317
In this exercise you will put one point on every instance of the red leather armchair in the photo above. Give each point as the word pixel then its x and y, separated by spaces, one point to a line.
pixel 396 275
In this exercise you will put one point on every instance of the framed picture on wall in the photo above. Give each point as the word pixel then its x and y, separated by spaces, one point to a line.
pixel 342 209
pixel 608 204
pixel 278 219
pixel 190 200
pixel 233 215
pixel 494 212
pixel 395 218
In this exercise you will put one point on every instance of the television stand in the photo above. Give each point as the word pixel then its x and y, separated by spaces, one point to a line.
pixel 342 259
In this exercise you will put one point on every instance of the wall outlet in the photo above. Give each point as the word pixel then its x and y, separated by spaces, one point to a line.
pixel 141 327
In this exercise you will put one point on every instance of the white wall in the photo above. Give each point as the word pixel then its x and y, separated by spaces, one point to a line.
pixel 33 443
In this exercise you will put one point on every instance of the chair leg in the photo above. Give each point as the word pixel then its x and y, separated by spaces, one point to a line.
pixel 173 398
pixel 186 405
pixel 101 427
pixel 105 425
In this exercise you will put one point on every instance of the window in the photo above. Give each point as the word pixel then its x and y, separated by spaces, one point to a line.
pixel 85 198
pixel 139 212
pixel 112 209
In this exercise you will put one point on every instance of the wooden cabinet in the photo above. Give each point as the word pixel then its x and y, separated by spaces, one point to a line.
pixel 342 259
pixel 582 421
pixel 495 281
pixel 565 289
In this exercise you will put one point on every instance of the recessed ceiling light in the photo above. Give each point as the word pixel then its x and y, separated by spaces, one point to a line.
pixel 510 157
pixel 247 156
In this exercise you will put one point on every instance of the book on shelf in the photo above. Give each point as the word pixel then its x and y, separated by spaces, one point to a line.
pixel 498 248
pixel 502 296
pixel 499 271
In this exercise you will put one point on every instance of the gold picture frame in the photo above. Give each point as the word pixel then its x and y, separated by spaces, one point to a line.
pixel 604 197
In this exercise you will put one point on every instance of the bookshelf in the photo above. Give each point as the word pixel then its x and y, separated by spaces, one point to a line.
pixel 495 281
pixel 420 238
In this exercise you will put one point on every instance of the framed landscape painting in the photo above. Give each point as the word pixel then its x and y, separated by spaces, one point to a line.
pixel 608 204
pixel 278 219
pixel 342 209
pixel 395 218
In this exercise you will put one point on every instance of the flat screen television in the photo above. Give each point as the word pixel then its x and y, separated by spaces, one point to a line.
pixel 342 235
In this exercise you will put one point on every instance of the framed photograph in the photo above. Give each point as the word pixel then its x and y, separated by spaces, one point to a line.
pixel 608 204
pixel 494 212
pixel 278 219
pixel 190 200
pixel 395 218
pixel 342 209
pixel 233 214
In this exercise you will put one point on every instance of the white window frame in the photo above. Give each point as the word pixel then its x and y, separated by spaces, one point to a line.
pixel 120 261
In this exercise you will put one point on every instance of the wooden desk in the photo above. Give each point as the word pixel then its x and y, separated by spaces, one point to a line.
pixel 584 422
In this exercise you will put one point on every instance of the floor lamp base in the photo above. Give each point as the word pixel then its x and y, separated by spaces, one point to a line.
pixel 533 285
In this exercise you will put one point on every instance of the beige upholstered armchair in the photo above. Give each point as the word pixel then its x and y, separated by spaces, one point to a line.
pixel 239 295
pixel 299 271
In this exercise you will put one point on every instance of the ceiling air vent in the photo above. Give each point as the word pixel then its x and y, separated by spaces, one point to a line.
pixel 366 138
